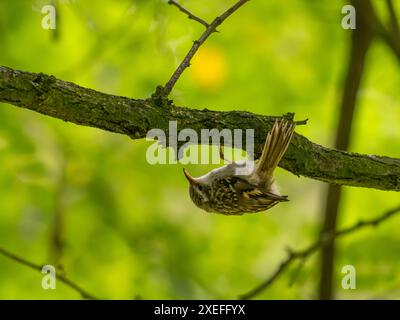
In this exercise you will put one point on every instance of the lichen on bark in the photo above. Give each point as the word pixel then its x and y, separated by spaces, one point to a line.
pixel 135 117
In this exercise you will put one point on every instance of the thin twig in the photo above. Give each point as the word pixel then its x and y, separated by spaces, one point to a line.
pixel 305 253
pixel 188 13
pixel 59 276
pixel 394 23
pixel 388 35
pixel 301 122
pixel 196 45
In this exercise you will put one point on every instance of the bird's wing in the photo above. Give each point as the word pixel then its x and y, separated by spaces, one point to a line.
pixel 248 191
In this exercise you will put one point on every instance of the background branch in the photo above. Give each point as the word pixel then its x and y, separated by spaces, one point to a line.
pixel 69 102
pixel 390 36
pixel 394 23
pixel 188 13
pixel 324 240
pixel 59 276
pixel 211 28
pixel 361 40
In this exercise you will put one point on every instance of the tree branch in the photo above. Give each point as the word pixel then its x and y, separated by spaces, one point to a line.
pixel 59 276
pixel 211 28
pixel 188 13
pixel 389 35
pixel 133 117
pixel 323 241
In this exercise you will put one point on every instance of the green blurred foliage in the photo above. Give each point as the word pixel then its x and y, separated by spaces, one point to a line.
pixel 129 229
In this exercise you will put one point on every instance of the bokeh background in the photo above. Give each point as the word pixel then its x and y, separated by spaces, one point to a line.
pixel 87 200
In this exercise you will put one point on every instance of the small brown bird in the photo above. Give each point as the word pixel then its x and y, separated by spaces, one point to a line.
pixel 230 191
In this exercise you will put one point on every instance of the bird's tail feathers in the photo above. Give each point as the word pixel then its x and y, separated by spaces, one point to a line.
pixel 276 144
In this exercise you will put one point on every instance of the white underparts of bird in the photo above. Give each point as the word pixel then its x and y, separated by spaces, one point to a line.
pixel 244 187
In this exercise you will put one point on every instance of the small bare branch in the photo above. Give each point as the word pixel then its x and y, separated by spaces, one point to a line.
pixel 188 13
pixel 388 35
pixel 59 276
pixel 305 253
pixel 197 44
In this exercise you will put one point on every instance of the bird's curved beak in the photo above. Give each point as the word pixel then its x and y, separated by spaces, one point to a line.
pixel 189 177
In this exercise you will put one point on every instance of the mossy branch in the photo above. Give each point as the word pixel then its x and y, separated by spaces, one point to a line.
pixel 134 117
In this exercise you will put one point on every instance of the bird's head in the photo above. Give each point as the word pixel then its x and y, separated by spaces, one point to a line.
pixel 200 192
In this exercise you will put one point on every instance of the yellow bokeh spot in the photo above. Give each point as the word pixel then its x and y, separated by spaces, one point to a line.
pixel 209 68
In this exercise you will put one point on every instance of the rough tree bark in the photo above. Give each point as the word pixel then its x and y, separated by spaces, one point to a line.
pixel 133 117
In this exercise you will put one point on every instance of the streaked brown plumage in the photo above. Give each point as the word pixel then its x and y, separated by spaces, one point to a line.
pixel 225 191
